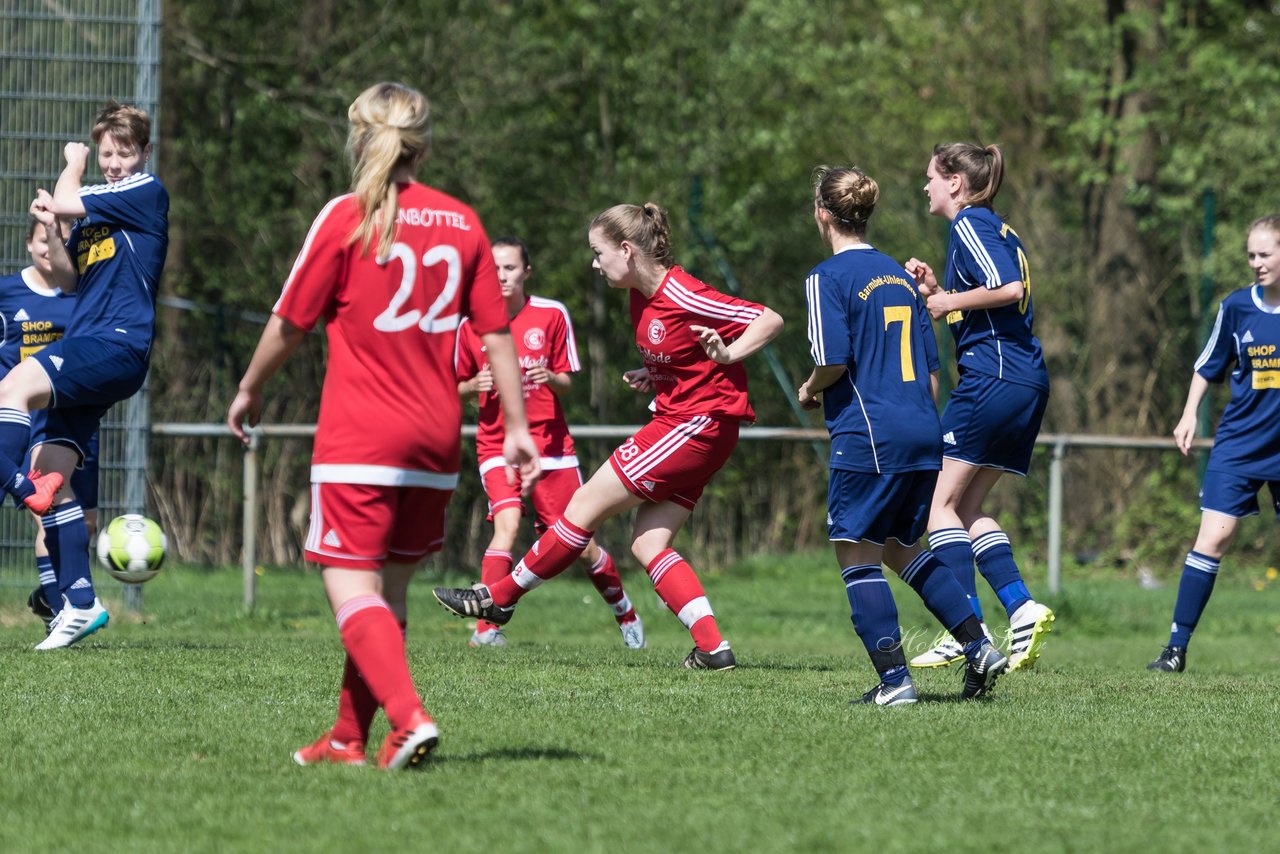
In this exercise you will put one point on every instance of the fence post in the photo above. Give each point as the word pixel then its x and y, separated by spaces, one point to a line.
pixel 1055 516
pixel 249 551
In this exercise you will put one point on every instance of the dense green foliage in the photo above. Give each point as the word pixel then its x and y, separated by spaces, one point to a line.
pixel 1115 117
pixel 179 729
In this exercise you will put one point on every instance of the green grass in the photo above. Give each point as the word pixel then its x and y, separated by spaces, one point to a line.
pixel 174 732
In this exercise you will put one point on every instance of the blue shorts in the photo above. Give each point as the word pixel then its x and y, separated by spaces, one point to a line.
pixel 91 372
pixel 1234 495
pixel 68 427
pixel 874 508
pixel 992 423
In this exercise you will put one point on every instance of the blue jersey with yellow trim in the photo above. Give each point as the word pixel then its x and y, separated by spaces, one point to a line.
pixel 986 253
pixel 32 316
pixel 866 314
pixel 119 248
pixel 1246 334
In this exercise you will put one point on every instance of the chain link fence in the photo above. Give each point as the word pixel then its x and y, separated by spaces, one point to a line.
pixel 59 63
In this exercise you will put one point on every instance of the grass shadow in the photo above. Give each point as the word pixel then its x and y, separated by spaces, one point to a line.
pixel 518 754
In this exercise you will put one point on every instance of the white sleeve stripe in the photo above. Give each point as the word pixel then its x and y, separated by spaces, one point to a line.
pixel 570 341
pixel 1212 342
pixel 708 307
pixel 306 246
pixel 457 344
pixel 818 348
pixel 133 181
pixel 979 253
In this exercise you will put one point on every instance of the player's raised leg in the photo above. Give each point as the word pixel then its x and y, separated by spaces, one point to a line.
pixel 599 499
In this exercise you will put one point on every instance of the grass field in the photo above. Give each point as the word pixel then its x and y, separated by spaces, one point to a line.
pixel 173 732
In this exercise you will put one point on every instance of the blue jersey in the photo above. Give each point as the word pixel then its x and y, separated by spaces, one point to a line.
pixel 865 314
pixel 119 248
pixel 986 253
pixel 32 317
pixel 1246 335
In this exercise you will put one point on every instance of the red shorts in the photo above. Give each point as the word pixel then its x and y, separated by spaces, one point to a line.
pixel 673 458
pixel 550 494
pixel 360 526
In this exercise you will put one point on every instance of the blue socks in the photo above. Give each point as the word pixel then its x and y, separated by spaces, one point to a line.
pixel 952 547
pixel 994 557
pixel 67 538
pixel 875 619
pixel 48 583
pixel 15 433
pixel 942 594
pixel 1198 575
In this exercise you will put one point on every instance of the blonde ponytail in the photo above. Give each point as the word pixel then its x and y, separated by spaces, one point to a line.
pixel 390 126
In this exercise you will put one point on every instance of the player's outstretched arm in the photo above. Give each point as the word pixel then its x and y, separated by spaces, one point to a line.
pixel 279 339
pixel 517 448
pixel 758 333
pixel 1185 431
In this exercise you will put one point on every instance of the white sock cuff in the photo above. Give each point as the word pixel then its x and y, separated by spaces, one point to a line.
pixel 694 610
pixel 525 577
pixel 357 604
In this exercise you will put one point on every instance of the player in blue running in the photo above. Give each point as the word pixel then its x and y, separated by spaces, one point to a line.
pixel 34 312
pixel 992 418
pixel 118 245
pixel 1245 343
pixel 876 367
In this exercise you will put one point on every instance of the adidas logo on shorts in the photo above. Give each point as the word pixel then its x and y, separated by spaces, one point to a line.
pixel 949 438
pixel 648 485
pixel 331 539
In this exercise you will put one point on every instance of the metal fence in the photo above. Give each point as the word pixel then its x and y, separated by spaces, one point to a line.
pixel 59 63
pixel 1057 443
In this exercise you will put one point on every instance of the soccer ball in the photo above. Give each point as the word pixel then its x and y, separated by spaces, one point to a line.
pixel 132 548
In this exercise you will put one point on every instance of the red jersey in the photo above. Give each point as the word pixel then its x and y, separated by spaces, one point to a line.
pixel 543 335
pixel 686 380
pixel 389 409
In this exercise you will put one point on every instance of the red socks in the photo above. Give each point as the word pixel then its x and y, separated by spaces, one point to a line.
pixel 679 588
pixel 495 566
pixel 356 705
pixel 356 708
pixel 551 555
pixel 608 583
pixel 375 646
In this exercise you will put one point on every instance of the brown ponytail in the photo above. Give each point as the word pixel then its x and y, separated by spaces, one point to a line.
pixel 645 228
pixel 982 168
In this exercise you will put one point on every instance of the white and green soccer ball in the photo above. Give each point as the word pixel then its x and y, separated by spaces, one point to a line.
pixel 132 548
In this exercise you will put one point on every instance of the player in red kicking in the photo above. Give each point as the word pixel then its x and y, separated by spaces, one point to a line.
pixel 692 338
pixel 548 355
pixel 391 267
